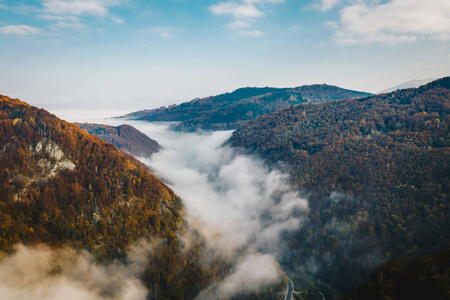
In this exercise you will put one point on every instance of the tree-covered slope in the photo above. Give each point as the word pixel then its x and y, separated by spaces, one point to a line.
pixel 63 187
pixel 423 277
pixel 377 173
pixel 124 137
pixel 230 110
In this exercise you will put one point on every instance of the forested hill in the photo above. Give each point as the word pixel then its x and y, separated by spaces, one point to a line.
pixel 230 110
pixel 423 277
pixel 62 186
pixel 124 137
pixel 376 170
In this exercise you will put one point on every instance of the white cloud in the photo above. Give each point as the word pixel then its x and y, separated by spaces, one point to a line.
pixel 325 5
pixel 263 1
pixel 118 19
pixel 163 32
pixel 57 18
pixel 19 30
pixel 238 24
pixel 42 273
pixel 254 272
pixel 232 200
pixel 20 9
pixel 242 9
pixel 70 26
pixel 239 11
pixel 393 22
pixel 99 8
pixel 252 33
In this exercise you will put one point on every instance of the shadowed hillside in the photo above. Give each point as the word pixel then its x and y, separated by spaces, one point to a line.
pixel 376 170
pixel 124 137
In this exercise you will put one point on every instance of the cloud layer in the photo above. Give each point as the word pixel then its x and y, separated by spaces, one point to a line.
pixel 239 206
pixel 41 273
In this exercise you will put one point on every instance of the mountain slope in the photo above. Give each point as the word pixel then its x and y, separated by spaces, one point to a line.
pixel 63 187
pixel 424 277
pixel 377 173
pixel 230 110
pixel 70 185
pixel 124 137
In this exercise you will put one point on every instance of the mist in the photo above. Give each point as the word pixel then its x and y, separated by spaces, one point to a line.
pixel 42 273
pixel 238 205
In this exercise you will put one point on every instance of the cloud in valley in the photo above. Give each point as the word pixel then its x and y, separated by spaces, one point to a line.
pixel 42 273
pixel 254 272
pixel 233 200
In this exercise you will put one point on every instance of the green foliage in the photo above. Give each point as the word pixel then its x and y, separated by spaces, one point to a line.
pixel 376 170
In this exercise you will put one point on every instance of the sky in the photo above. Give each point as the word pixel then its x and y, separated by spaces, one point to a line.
pixel 146 53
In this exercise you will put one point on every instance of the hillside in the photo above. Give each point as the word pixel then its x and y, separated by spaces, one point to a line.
pixel 230 110
pixel 377 174
pixel 63 187
pixel 124 137
pixel 423 277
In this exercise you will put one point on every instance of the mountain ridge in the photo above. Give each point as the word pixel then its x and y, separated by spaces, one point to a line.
pixel 125 137
pixel 415 83
pixel 231 110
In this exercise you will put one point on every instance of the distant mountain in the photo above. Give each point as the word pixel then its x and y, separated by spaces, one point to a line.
pixel 63 187
pixel 407 85
pixel 230 110
pixel 124 137
pixel 377 174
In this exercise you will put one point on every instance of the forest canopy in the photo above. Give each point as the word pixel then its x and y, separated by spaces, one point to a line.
pixel 377 174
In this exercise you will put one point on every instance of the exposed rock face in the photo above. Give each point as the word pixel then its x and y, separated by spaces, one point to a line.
pixel 56 155
pixel 124 137
pixel 53 161
pixel 52 149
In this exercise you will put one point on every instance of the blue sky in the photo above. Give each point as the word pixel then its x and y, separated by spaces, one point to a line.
pixel 148 53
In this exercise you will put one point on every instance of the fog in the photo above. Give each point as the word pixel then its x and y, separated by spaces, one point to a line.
pixel 232 199
pixel 42 273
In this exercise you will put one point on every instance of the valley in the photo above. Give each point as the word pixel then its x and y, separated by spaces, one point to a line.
pixel 319 193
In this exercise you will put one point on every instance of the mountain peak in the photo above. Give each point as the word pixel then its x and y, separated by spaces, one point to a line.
pixel 415 83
